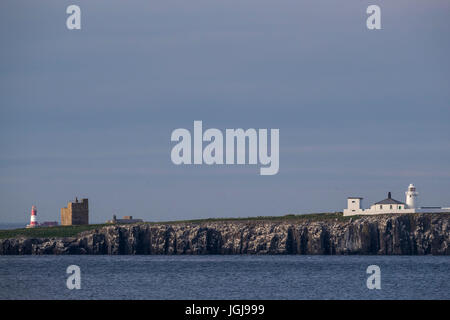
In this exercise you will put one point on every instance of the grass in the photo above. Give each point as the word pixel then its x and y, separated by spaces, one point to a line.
pixel 48 232
pixel 71 231
pixel 288 217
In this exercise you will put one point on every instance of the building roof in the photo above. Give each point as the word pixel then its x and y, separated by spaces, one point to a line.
pixel 354 198
pixel 389 200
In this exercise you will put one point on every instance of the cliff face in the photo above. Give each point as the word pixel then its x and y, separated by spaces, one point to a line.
pixel 415 234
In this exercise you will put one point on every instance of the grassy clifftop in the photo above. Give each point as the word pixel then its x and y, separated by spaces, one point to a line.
pixel 71 231
pixel 48 232
pixel 287 217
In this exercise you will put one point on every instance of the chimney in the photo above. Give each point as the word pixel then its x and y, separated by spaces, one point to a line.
pixel 389 195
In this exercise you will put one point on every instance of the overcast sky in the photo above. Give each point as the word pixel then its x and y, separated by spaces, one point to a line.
pixel 89 113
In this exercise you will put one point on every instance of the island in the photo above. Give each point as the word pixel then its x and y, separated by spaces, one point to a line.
pixel 306 234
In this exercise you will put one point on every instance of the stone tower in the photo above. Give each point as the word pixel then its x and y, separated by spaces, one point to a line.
pixel 75 213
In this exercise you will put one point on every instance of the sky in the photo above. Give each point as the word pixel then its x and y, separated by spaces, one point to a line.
pixel 89 113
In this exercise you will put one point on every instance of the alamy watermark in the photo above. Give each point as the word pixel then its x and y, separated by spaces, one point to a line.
pixel 74 280
pixel 190 150
pixel 73 21
pixel 374 280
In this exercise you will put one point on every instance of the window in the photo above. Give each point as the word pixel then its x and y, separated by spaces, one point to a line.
pixel 381 207
pixel 399 207
pixel 353 201
pixel 390 206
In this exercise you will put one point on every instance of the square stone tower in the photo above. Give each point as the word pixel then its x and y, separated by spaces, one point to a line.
pixel 75 213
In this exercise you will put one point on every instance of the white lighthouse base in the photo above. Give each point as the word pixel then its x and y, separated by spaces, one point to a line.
pixel 368 212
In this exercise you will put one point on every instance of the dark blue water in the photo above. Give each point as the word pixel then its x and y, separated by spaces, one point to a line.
pixel 224 277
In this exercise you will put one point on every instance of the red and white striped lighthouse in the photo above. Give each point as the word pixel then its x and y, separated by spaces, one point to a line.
pixel 33 221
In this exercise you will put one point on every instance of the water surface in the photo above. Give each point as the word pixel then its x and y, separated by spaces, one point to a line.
pixel 224 277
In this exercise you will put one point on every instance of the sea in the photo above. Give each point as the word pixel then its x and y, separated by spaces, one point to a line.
pixel 225 277
pixel 13 225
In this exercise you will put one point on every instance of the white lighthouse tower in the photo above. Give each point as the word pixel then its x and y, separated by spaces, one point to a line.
pixel 411 197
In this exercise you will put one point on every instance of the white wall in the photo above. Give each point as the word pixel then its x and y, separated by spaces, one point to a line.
pixel 384 207
pixel 348 212
pixel 354 203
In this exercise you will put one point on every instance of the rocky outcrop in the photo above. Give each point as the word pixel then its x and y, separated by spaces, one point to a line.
pixel 409 234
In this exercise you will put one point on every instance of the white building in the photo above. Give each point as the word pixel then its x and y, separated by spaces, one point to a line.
pixel 390 205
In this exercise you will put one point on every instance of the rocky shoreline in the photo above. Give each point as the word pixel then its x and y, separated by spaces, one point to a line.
pixel 407 234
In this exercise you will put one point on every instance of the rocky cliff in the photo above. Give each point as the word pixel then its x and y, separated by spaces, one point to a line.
pixel 409 234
